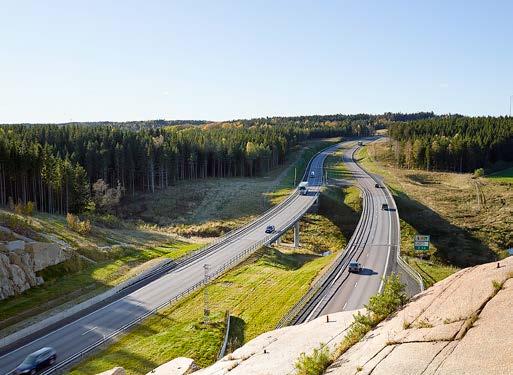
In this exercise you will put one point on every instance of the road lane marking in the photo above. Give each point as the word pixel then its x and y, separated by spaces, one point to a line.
pixel 89 330
pixel 345 304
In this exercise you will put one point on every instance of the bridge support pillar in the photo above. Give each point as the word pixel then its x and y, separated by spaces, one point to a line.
pixel 296 234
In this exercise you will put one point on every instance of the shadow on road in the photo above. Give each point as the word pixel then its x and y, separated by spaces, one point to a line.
pixel 367 272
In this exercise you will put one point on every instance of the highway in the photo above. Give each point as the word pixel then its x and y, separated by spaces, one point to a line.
pixel 373 244
pixel 88 331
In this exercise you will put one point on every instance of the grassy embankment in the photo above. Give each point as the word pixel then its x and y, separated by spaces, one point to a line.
pixel 469 219
pixel 98 262
pixel 257 293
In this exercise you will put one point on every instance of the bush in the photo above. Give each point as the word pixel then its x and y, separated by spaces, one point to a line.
pixel 314 364
pixel 479 172
pixel 393 296
pixel 380 306
pixel 24 208
pixel 76 225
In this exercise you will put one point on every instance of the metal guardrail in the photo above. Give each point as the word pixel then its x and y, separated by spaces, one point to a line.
pixel 400 261
pixel 226 336
pixel 349 251
pixel 198 254
pixel 236 259
pixel 160 269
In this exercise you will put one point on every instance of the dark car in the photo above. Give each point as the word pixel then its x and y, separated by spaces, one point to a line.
pixel 269 229
pixel 354 267
pixel 37 361
pixel 377 186
pixel 384 206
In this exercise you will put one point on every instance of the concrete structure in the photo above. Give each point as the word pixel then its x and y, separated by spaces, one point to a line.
pixel 296 234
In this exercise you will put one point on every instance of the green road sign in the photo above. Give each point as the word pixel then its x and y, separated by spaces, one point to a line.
pixel 421 242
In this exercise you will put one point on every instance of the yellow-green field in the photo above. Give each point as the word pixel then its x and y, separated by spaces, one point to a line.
pixel 257 293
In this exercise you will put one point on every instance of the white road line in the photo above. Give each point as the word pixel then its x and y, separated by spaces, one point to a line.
pixel 345 304
pixel 389 246
pixel 89 330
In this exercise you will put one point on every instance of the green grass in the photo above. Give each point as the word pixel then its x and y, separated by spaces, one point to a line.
pixel 431 271
pixel 297 169
pixel 78 278
pixel 258 293
pixel 506 175
pixel 335 167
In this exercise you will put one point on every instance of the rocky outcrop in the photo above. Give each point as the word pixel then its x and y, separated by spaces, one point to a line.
pixel 114 371
pixel 178 366
pixel 275 352
pixel 45 254
pixel 19 262
pixel 461 325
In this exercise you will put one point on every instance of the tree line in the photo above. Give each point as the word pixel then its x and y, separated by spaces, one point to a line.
pixel 452 143
pixel 57 166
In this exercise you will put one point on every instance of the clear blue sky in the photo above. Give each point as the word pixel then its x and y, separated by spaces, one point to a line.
pixel 219 60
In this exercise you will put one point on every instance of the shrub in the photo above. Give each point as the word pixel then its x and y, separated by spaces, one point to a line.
pixel 380 306
pixel 393 296
pixel 314 364
pixel 479 172
pixel 24 208
pixel 76 225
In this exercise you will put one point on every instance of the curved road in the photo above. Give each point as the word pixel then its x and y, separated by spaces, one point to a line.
pixel 373 244
pixel 92 328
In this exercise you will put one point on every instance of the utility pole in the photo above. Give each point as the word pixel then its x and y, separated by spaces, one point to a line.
pixel 295 169
pixel 206 308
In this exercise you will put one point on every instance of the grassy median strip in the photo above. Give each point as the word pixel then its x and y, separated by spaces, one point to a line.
pixel 257 293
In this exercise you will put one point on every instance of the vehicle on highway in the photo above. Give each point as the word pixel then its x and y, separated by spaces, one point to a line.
pixel 360 143
pixel 303 188
pixel 377 186
pixel 354 267
pixel 270 229
pixel 37 361
pixel 312 174
pixel 384 206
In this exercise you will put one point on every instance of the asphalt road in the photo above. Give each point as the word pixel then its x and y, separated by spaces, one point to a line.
pixel 78 335
pixel 373 244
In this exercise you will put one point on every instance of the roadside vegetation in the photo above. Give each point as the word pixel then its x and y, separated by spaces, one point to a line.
pixel 212 207
pixel 99 260
pixel 380 307
pixel 468 218
pixel 257 294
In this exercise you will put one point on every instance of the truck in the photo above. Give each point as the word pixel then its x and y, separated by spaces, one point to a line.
pixel 303 188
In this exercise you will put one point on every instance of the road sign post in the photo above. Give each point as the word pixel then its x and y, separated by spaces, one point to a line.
pixel 421 243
